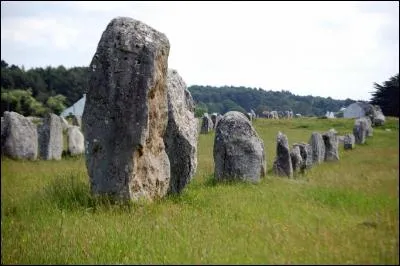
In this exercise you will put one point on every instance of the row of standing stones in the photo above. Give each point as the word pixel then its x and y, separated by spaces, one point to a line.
pixel 32 138
pixel 140 133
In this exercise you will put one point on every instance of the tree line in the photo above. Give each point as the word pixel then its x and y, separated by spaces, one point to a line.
pixel 41 90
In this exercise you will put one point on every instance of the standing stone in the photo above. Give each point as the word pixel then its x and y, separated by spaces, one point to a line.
pixel 296 158
pixel 378 119
pixel 214 119
pixel 318 148
pixel 349 142
pixel 283 163
pixel 253 114
pixel 181 135
pixel 76 145
pixel 76 121
pixel 306 155
pixel 249 116
pixel 50 138
pixel 64 123
pixel 331 146
pixel 360 130
pixel 126 112
pixel 219 117
pixel 370 130
pixel 238 151
pixel 207 124
pixel 19 137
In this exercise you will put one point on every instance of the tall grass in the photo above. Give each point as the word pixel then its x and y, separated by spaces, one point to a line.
pixel 344 212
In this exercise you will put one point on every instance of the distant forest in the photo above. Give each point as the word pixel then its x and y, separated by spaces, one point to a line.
pixel 52 89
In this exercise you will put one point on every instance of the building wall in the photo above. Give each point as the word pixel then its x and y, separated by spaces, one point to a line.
pixel 353 111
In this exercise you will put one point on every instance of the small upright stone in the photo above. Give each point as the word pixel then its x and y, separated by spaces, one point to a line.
pixel 50 138
pixel 349 142
pixel 206 125
pixel 296 158
pixel 76 144
pixel 19 137
pixel 306 155
pixel 283 163
pixel 331 146
pixel 238 151
pixel 369 130
pixel 360 130
pixel 318 148
pixel 76 121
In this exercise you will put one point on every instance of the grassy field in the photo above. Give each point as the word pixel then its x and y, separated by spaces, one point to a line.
pixel 344 212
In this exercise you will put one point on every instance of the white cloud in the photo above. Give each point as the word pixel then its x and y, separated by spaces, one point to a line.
pixel 335 49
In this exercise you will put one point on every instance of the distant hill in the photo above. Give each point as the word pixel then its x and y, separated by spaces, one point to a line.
pixel 222 99
pixel 72 83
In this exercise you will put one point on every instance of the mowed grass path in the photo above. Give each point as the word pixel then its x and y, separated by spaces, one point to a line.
pixel 345 212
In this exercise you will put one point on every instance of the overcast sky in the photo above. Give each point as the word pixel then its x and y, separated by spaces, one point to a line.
pixel 336 49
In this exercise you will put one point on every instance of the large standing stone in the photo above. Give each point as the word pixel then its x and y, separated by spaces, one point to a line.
pixel 283 163
pixel 126 112
pixel 318 148
pixel 295 156
pixel 76 145
pixel 306 155
pixel 181 135
pixel 19 137
pixel 349 142
pixel 331 146
pixel 50 138
pixel 238 151
pixel 360 130
pixel 206 124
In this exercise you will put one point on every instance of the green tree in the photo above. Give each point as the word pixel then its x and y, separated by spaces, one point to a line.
pixel 56 103
pixel 22 102
pixel 387 96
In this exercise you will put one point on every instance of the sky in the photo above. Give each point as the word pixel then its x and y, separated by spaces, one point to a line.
pixel 334 49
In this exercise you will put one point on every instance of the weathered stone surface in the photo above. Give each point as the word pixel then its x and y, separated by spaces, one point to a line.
pixel 378 119
pixel 283 163
pixel 206 124
pixel 249 116
pixel 295 156
pixel 181 136
pixel 349 141
pixel 214 119
pixel 306 155
pixel 19 137
pixel 64 123
pixel 76 121
pixel 318 148
pixel 340 139
pixel 331 146
pixel 76 144
pixel 126 112
pixel 360 130
pixel 50 138
pixel 219 117
pixel 238 151
pixel 370 130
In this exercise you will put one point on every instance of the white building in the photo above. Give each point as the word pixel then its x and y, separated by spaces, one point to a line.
pixel 76 108
pixel 357 109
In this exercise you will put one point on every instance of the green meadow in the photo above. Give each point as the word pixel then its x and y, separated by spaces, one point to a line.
pixel 344 212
